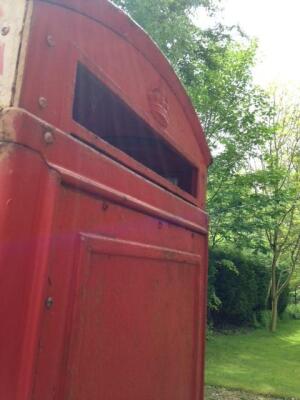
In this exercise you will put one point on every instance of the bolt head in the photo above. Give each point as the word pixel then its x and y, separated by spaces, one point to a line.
pixel 49 302
pixel 105 206
pixel 50 41
pixel 43 102
pixel 48 137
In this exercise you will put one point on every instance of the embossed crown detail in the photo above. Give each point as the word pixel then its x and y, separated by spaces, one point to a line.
pixel 159 107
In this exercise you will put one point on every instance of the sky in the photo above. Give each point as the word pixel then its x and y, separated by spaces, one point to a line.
pixel 276 25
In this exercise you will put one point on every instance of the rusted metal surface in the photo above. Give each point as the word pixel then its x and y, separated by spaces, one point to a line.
pixel 103 262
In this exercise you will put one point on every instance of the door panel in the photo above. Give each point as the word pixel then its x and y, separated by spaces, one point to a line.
pixel 134 326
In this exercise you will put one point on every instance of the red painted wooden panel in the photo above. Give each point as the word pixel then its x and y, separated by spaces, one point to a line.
pixel 137 237
pixel 134 326
pixel 26 201
pixel 52 212
pixel 90 170
pixel 127 311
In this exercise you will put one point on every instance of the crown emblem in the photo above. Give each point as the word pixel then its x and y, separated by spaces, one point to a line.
pixel 159 107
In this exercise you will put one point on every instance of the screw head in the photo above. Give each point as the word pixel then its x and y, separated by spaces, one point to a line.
pixel 5 30
pixel 105 206
pixel 48 137
pixel 49 302
pixel 50 41
pixel 43 102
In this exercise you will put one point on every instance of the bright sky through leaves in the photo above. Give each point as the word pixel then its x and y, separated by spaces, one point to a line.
pixel 276 25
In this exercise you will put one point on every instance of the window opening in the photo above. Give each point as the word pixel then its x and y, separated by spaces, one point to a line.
pixel 105 114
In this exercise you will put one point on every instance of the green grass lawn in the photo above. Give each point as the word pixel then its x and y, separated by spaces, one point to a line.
pixel 258 361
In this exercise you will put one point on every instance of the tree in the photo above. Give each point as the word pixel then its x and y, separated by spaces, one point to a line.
pixel 276 196
pixel 234 113
pixel 216 70
pixel 215 66
pixel 168 22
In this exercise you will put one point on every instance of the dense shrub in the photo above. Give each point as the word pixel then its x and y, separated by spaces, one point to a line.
pixel 263 318
pixel 262 274
pixel 294 295
pixel 293 311
pixel 284 300
pixel 213 301
pixel 240 283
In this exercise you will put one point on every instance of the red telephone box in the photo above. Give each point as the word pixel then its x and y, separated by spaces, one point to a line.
pixel 103 233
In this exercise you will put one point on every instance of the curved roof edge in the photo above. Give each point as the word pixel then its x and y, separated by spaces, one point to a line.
pixel 116 19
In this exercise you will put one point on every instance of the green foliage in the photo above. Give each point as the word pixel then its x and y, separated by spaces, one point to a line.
pixel 213 300
pixel 293 311
pixel 215 65
pixel 295 286
pixel 260 209
pixel 254 182
pixel 263 318
pixel 283 300
pixel 274 192
pixel 168 23
pixel 240 283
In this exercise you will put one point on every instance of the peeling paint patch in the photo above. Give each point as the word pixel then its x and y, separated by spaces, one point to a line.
pixel 12 18
pixel 5 150
pixel 7 130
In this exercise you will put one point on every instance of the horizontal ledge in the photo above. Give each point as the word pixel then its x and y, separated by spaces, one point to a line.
pixel 99 244
pixel 92 186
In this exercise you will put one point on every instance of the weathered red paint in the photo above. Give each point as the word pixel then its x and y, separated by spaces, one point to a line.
pixel 120 251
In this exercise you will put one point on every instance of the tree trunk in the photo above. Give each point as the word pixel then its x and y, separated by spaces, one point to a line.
pixel 274 295
pixel 273 325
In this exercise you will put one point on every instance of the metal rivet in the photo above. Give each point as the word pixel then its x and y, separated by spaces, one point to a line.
pixel 50 41
pixel 5 30
pixel 48 137
pixel 43 102
pixel 104 206
pixel 49 302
